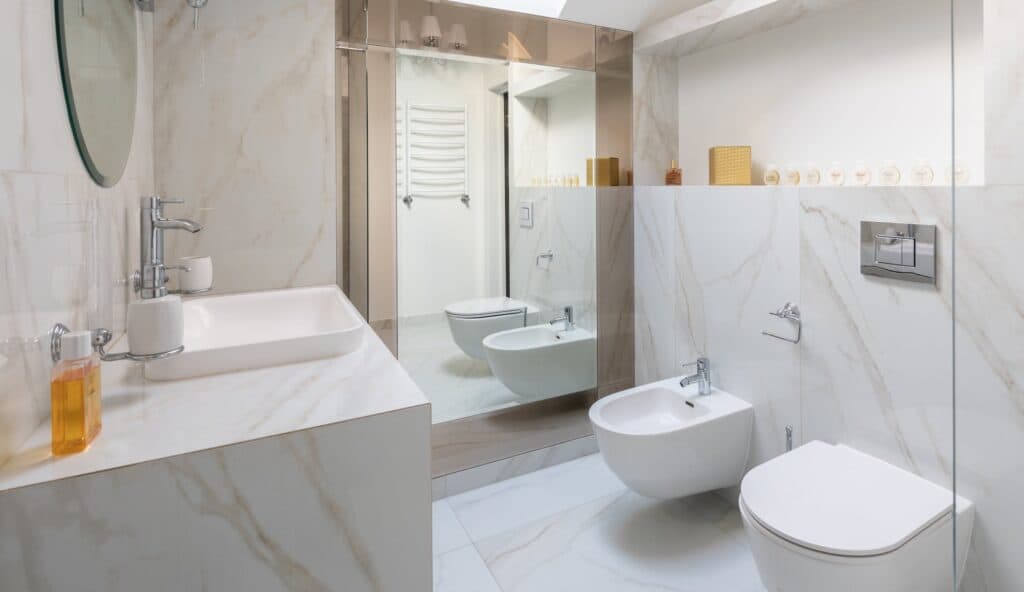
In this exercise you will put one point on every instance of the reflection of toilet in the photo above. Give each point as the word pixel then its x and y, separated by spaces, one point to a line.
pixel 826 517
pixel 472 320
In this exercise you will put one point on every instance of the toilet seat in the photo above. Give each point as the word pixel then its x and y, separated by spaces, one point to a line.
pixel 482 308
pixel 836 500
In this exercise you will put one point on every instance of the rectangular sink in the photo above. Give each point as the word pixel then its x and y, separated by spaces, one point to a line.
pixel 260 329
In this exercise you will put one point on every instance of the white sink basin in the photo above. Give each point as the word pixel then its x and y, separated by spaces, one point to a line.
pixel 666 441
pixel 542 361
pixel 261 329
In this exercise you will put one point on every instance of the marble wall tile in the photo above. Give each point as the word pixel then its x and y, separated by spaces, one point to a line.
pixel 66 244
pixel 655 286
pixel 244 128
pixel 564 222
pixel 615 294
pixel 737 258
pixel 655 117
pixel 877 371
pixel 1004 88
pixel 990 381
pixel 37 134
pixel 310 510
pixel 873 370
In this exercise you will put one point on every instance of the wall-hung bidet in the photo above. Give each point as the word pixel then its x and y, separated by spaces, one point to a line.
pixel 667 440
pixel 544 360
pixel 472 320
pixel 828 517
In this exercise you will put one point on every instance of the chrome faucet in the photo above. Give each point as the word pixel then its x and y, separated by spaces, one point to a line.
pixel 566 317
pixel 150 280
pixel 702 377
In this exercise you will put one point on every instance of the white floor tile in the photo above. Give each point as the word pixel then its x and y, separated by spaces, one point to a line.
pixel 510 504
pixel 463 570
pixel 448 533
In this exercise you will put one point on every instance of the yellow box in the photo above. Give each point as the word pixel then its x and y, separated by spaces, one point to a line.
pixel 603 172
pixel 729 165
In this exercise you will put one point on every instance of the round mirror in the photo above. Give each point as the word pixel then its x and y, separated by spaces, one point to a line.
pixel 97 43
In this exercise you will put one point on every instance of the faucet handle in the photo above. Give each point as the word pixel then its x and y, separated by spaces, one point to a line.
pixel 155 202
pixel 702 363
pixel 162 201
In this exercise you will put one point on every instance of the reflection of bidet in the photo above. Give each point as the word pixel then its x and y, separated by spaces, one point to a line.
pixel 472 320
pixel 542 361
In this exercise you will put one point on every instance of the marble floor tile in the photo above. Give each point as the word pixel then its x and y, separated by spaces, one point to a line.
pixel 624 543
pixel 514 503
pixel 463 570
pixel 448 532
pixel 575 527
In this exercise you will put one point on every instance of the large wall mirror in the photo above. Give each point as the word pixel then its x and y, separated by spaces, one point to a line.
pixel 97 44
pixel 495 231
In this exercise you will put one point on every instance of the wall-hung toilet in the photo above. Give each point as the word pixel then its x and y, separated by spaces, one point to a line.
pixel 828 517
pixel 472 320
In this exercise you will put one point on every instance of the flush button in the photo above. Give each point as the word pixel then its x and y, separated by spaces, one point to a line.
pixel 898 250
pixel 894 250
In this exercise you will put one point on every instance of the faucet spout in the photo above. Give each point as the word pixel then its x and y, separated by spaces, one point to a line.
pixel 165 224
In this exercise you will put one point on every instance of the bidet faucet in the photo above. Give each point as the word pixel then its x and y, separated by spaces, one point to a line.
pixel 567 318
pixel 150 280
pixel 702 377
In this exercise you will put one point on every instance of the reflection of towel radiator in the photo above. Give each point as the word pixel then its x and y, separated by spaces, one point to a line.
pixel 433 154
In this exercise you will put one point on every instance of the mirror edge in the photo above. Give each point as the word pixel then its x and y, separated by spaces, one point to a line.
pixel 69 100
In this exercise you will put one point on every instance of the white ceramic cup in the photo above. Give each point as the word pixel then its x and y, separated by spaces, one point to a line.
pixel 155 325
pixel 199 276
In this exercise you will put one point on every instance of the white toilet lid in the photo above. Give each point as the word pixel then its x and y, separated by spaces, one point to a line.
pixel 834 499
pixel 487 307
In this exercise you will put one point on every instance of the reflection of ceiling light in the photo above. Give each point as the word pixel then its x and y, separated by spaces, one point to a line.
pixel 430 31
pixel 457 37
pixel 549 8
pixel 405 35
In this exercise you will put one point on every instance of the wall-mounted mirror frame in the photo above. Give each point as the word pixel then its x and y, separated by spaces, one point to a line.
pixel 97 42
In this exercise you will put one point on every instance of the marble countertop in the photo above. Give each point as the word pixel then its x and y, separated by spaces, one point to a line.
pixel 144 421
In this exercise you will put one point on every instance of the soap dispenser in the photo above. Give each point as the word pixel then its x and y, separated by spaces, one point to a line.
pixel 75 416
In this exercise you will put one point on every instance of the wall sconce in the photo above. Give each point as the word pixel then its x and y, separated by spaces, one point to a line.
pixel 430 31
pixel 457 37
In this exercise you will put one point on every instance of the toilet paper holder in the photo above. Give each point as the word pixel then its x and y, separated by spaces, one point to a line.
pixel 789 312
pixel 100 339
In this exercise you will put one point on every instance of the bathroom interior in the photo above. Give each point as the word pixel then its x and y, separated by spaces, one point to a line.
pixel 495 296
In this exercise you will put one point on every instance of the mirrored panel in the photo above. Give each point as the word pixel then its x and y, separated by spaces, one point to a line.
pixel 495 231
pixel 97 43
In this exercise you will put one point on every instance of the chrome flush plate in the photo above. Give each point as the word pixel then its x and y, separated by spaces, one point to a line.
pixel 898 251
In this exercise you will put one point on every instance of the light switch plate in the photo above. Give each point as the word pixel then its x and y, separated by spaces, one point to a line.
pixel 898 251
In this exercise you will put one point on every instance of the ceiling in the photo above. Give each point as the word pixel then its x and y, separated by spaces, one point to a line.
pixel 629 15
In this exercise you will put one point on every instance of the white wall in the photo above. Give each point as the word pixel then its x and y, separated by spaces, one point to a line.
pixel 553 115
pixel 571 141
pixel 446 251
pixel 867 81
